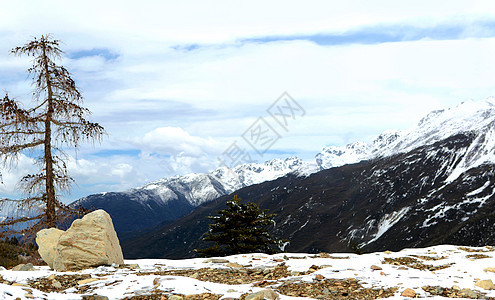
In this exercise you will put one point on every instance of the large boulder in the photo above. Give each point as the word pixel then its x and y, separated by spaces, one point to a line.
pixel 47 240
pixel 89 242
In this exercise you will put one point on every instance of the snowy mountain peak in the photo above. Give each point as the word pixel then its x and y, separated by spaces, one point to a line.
pixel 469 116
pixel 335 156
pixel 254 173
pixel 197 188
pixel 386 138
pixel 477 117
pixel 466 116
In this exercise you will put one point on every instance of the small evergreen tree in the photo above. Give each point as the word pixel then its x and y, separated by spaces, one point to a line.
pixel 240 228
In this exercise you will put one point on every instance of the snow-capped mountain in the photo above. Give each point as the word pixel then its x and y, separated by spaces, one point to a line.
pixel 404 200
pixel 477 117
pixel 198 188
pixel 424 186
pixel 336 156
pixel 167 199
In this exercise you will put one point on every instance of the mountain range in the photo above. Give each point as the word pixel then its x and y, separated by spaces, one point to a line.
pixel 429 184
pixel 165 200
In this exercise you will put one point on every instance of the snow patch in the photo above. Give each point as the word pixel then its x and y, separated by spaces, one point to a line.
pixel 479 190
pixel 386 223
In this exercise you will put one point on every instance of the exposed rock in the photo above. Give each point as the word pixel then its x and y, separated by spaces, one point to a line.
pixel 348 288
pixel 235 265
pixel 414 263
pixel 134 266
pixel 408 293
pixel 20 284
pixel 47 240
pixel 323 255
pixel 256 276
pixel 454 292
pixel 489 269
pixel 255 296
pixel 469 293
pixel 485 284
pixel 85 281
pixel 89 242
pixel 56 284
pixel 24 267
pixel 216 261
pixel 95 297
pixel 48 284
pixel 477 256
pixel 264 294
pixel 375 268
pixel 319 277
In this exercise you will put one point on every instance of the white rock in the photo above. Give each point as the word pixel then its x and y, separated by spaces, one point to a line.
pixel 89 242
pixel 264 294
pixel 47 240
pixel 485 284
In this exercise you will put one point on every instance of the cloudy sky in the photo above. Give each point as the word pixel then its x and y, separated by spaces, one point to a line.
pixel 177 83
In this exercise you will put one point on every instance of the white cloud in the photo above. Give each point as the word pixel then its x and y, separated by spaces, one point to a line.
pixel 216 21
pixel 349 92
pixel 114 173
pixel 182 108
pixel 12 173
pixel 175 141
pixel 353 81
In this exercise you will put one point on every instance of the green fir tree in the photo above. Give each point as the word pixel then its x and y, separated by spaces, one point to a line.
pixel 240 228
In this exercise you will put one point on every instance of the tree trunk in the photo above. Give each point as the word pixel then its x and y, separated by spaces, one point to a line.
pixel 51 220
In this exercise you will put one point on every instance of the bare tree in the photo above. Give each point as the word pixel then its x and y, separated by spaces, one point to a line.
pixel 55 122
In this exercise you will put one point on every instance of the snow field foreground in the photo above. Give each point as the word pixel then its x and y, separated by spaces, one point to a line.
pixel 438 272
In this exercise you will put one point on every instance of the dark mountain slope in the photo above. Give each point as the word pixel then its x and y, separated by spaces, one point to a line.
pixel 390 203
pixel 131 215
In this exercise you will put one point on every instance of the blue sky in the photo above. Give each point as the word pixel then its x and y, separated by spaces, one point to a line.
pixel 390 33
pixel 175 84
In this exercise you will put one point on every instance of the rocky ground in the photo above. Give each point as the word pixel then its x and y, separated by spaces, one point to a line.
pixel 438 272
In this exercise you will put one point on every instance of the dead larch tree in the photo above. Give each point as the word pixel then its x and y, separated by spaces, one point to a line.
pixel 55 122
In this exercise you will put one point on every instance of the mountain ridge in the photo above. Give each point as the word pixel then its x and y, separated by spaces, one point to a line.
pixel 383 204
pixel 167 199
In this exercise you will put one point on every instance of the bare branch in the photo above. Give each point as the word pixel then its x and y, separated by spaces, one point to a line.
pixel 56 121
pixel 12 221
pixel 17 148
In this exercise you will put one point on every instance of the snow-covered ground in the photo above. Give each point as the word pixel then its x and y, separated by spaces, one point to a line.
pixel 451 271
